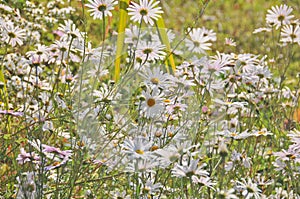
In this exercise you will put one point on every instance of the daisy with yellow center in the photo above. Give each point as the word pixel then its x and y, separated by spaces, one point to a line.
pixel 155 78
pixel 279 15
pixel 152 106
pixel 151 102
pixel 13 35
pixel 98 8
pixel 146 10
pixel 138 147
pixel 262 132
pixel 150 51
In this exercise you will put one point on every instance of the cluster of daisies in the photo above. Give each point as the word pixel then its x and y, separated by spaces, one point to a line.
pixel 219 126
pixel 281 18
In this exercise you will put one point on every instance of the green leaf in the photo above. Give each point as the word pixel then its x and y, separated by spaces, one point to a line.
pixel 121 36
pixel 161 28
pixel 3 86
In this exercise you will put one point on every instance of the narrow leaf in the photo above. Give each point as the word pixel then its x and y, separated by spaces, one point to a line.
pixel 160 24
pixel 3 86
pixel 121 36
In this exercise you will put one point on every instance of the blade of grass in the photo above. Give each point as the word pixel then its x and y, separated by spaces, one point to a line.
pixel 4 96
pixel 121 36
pixel 161 28
pixel 3 88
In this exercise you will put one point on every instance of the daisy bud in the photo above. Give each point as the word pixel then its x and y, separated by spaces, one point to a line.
pixel 139 60
pixel 153 148
pixel 170 134
pixel 1 85
pixel 223 151
pixel 69 79
pixel 142 98
pixel 158 134
pixel 80 144
pixel 112 82
pixel 232 78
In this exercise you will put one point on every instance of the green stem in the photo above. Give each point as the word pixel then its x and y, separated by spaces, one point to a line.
pixel 3 88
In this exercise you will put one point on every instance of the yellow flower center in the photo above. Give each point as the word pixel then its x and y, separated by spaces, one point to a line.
pixel 151 102
pixel 154 80
pixel 143 12
pixel 167 101
pixel 153 148
pixel 233 134
pixel 158 134
pixel 55 163
pixel 139 151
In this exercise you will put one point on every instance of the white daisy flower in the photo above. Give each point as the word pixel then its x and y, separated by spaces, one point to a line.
pixel 183 81
pixel 290 34
pixel 59 51
pixel 132 35
pixel 102 95
pixel 218 64
pixel 175 107
pixel 209 33
pixel 249 189
pixel 198 43
pixel 258 30
pixel 137 148
pixel 235 135
pixel 13 35
pixel 100 7
pixel 230 42
pixel 146 10
pixel 115 194
pixel 70 28
pixel 167 157
pixel 151 188
pixel 41 52
pixel 155 78
pixel 189 170
pixel 141 166
pixel 262 132
pixel 153 104
pixel 150 51
pixel 227 194
pixel 204 181
pixel 279 15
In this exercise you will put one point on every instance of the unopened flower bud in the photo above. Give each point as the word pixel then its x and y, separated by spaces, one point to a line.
pixel 223 151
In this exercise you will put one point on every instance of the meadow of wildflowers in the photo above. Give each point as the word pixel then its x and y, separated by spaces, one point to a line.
pixel 99 99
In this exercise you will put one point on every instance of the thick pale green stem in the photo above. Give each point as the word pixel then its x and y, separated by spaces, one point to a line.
pixel 161 28
pixel 3 87
pixel 120 41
